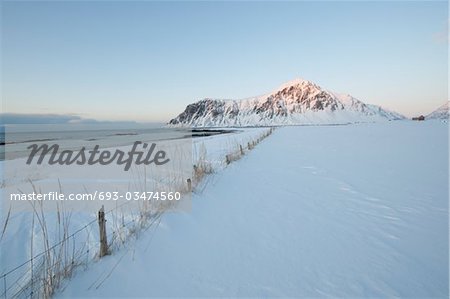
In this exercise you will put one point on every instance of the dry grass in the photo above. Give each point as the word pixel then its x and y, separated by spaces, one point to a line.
pixel 57 262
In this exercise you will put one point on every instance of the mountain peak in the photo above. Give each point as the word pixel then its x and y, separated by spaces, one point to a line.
pixel 296 82
pixel 440 113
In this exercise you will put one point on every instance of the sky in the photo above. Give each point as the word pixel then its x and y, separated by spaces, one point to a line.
pixel 145 61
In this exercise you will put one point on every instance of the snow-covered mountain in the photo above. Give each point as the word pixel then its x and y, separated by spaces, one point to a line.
pixel 440 113
pixel 296 102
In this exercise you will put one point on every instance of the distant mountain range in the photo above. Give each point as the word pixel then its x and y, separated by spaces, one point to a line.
pixel 296 102
pixel 440 113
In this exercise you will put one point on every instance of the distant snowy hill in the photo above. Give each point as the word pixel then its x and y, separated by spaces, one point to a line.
pixel 440 113
pixel 296 102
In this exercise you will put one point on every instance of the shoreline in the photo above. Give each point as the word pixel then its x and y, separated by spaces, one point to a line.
pixel 10 150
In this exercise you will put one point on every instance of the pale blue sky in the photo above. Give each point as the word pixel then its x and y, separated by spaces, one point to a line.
pixel 146 61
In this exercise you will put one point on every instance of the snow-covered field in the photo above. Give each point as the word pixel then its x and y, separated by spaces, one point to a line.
pixel 342 211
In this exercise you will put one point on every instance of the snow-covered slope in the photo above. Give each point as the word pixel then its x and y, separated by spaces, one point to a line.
pixel 311 212
pixel 440 113
pixel 296 102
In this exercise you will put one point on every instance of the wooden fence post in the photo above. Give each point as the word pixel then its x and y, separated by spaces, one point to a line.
pixel 102 226
pixel 189 183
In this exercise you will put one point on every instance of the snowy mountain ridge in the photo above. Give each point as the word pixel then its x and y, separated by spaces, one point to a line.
pixel 440 113
pixel 296 102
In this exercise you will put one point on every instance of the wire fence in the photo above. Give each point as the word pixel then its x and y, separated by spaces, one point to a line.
pixel 27 282
pixel 39 276
pixel 42 274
